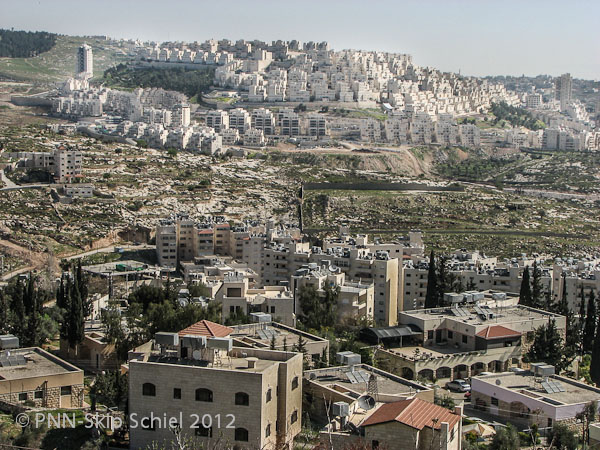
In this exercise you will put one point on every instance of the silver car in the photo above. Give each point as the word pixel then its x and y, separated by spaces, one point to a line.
pixel 458 386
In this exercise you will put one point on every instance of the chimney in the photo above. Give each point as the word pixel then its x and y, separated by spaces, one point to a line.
pixel 252 362
pixel 445 435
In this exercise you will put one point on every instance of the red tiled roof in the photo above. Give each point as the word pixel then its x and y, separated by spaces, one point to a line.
pixel 208 329
pixel 205 232
pixel 496 332
pixel 415 413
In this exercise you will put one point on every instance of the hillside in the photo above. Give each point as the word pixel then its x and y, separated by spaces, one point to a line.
pixel 59 62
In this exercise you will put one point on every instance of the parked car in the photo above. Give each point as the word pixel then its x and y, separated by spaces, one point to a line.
pixel 458 386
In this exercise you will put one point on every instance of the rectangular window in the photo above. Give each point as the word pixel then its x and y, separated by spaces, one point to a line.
pixel 294 417
pixel 464 338
pixel 450 334
pixel 177 393
pixel 65 390
pixel 494 401
pixel 295 383
pixel 38 394
pixel 22 396
pixel 268 430
pixel 430 334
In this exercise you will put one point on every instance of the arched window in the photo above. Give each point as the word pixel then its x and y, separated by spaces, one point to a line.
pixel 204 395
pixel 241 398
pixel 241 434
pixel 149 389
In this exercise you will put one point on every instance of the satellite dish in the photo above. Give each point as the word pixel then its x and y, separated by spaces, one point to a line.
pixel 197 355
pixel 366 402
pixel 498 382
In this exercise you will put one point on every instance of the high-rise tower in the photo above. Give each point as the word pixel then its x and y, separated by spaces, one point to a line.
pixel 85 61
pixel 563 90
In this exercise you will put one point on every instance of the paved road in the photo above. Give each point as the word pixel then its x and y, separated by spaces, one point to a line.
pixel 14 273
pixel 8 183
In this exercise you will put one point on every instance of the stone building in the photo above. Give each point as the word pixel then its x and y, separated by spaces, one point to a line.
pixel 461 341
pixel 241 397
pixel 37 378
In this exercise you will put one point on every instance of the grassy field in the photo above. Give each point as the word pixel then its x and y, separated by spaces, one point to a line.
pixel 59 63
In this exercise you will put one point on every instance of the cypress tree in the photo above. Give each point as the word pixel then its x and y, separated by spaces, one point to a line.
pixel 536 287
pixel 442 281
pixel 33 325
pixel 431 297
pixel 4 314
pixel 595 363
pixel 18 310
pixel 83 290
pixel 29 294
pixel 547 346
pixel 581 321
pixel 525 293
pixel 63 300
pixel 573 338
pixel 76 319
pixel 562 306
pixel 589 330
pixel 60 294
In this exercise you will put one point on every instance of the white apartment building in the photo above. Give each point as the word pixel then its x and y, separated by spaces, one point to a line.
pixel 264 120
pixel 254 138
pixel 218 120
pixel 370 130
pixel 533 101
pixel 240 120
pixel 317 126
pixel 288 122
pixel 470 135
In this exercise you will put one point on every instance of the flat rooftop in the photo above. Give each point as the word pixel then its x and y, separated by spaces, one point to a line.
pixel 426 352
pixel 261 335
pixel 128 267
pixel 354 380
pixel 38 363
pixel 469 315
pixel 229 362
pixel 528 384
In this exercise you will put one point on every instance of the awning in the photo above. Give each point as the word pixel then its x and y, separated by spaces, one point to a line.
pixel 394 332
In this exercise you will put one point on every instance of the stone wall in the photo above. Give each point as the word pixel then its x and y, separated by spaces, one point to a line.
pixel 51 398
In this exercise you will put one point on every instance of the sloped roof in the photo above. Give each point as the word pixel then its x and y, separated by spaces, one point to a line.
pixel 496 332
pixel 208 329
pixel 415 413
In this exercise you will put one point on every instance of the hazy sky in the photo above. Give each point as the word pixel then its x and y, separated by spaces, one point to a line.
pixel 479 37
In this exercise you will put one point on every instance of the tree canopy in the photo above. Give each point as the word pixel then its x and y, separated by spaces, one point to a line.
pixel 547 346
pixel 317 311
pixel 191 82
pixel 25 44
pixel 515 116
